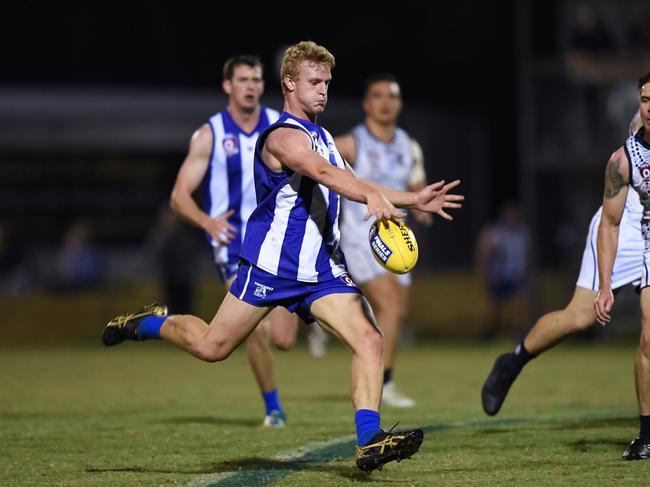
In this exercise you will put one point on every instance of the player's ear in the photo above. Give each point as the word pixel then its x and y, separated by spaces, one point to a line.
pixel 289 82
pixel 227 87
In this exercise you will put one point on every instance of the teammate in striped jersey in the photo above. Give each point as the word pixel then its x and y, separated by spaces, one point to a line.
pixel 220 159
pixel 291 256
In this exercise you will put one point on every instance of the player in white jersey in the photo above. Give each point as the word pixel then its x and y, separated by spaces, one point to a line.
pixel 579 314
pixel 220 159
pixel 629 165
pixel 291 256
pixel 381 152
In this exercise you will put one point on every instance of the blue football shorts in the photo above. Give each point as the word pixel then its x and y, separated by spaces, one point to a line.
pixel 260 288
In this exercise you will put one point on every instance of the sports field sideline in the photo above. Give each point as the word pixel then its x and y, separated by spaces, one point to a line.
pixel 148 415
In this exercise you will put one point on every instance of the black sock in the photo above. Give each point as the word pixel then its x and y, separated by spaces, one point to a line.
pixel 521 356
pixel 645 427
pixel 388 375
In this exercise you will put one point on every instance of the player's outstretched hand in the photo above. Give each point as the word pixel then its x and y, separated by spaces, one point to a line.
pixel 435 198
pixel 381 208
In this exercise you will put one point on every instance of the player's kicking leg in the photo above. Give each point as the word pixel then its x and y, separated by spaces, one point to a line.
pixel 348 316
pixel 234 321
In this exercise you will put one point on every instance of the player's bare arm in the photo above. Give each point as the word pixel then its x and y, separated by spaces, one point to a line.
pixel 293 148
pixel 189 178
pixel 347 147
pixel 614 197
pixel 433 198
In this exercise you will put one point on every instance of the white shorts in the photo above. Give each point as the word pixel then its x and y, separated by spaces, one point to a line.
pixel 361 264
pixel 629 265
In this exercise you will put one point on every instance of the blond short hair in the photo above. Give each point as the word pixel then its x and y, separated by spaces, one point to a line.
pixel 303 51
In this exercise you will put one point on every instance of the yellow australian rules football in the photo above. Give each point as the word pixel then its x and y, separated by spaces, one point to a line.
pixel 393 245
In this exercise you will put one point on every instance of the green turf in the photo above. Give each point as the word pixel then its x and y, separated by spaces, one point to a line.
pixel 146 414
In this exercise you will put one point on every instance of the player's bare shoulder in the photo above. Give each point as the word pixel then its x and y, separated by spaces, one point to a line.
pixel 617 173
pixel 278 144
pixel 202 140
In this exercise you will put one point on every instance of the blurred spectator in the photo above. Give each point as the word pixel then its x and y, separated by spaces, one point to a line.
pixel 15 272
pixel 638 33
pixel 174 250
pixel 503 257
pixel 589 35
pixel 78 264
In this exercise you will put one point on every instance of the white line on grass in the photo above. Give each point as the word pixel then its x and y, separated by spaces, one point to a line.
pixel 286 463
pixel 281 464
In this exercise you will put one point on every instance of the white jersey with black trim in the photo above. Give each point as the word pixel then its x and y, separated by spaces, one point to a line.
pixel 628 265
pixel 228 183
pixel 294 231
pixel 637 151
pixel 387 163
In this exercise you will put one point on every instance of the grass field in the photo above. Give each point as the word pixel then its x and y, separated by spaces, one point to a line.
pixel 146 415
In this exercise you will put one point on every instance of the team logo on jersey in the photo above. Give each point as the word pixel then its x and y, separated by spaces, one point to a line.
pixel 347 280
pixel 644 171
pixel 230 145
pixel 261 290
pixel 315 136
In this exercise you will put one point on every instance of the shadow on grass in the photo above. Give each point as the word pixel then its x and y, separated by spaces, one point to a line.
pixel 492 431
pixel 213 420
pixel 249 465
pixel 350 472
pixel 594 423
pixel 354 474
pixel 597 444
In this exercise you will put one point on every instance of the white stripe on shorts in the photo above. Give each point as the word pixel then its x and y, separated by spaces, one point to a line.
pixel 248 278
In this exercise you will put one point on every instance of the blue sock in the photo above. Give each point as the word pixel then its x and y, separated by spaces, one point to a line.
pixel 149 327
pixel 272 401
pixel 367 422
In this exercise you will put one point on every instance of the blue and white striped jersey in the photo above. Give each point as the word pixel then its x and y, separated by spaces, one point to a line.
pixel 294 231
pixel 228 183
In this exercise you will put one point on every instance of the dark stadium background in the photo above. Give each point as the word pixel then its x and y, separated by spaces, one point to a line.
pixel 98 102
pixel 454 56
